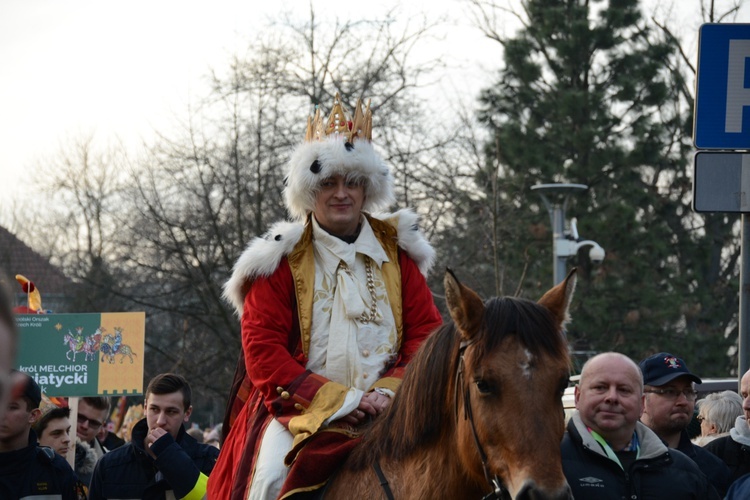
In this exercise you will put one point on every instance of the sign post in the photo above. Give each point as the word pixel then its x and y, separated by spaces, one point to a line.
pixel 721 183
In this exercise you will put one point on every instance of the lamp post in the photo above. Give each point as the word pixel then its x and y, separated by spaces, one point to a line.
pixel 564 243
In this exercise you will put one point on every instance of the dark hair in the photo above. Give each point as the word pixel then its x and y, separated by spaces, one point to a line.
pixel 51 414
pixel 167 383
pixel 100 403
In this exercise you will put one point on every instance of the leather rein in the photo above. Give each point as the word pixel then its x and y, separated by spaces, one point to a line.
pixel 499 491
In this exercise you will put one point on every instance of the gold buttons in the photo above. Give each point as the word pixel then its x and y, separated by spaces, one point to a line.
pixel 285 395
pixel 365 375
pixel 365 353
pixel 298 406
pixel 279 390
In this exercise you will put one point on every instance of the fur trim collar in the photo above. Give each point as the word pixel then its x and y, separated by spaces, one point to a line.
pixel 85 458
pixel 314 161
pixel 263 255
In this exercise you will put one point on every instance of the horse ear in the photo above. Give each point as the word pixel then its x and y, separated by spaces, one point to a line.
pixel 557 300
pixel 464 305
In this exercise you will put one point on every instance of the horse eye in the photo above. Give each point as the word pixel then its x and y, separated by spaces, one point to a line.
pixel 483 386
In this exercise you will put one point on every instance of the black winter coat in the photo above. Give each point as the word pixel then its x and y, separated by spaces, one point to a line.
pixel 659 472
pixel 36 471
pixel 716 471
pixel 130 472
pixel 734 454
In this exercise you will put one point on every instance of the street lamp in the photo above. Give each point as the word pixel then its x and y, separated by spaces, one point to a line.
pixel 565 243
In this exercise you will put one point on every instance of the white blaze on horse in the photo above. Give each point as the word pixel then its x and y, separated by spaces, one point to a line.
pixel 479 413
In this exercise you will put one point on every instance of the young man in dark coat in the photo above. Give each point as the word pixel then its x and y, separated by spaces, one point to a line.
pixel 26 469
pixel 162 460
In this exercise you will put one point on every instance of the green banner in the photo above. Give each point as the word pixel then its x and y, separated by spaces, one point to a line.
pixel 95 354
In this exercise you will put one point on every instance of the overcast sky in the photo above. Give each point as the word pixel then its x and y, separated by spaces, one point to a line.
pixel 124 68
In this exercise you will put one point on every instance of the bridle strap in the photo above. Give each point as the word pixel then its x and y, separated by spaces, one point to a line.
pixel 383 480
pixel 499 491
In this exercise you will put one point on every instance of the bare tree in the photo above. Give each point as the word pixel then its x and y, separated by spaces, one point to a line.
pixel 177 218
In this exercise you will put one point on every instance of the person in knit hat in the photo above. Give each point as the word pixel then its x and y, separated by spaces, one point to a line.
pixel 333 305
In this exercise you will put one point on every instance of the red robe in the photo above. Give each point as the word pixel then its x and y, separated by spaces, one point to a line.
pixel 273 381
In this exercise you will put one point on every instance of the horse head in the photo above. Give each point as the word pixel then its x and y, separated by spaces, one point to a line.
pixel 512 369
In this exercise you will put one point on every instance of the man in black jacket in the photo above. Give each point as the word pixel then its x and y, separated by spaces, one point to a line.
pixel 26 469
pixel 162 458
pixel 734 449
pixel 668 409
pixel 607 453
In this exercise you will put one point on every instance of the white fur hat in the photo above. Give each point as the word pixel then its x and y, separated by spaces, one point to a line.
pixel 315 161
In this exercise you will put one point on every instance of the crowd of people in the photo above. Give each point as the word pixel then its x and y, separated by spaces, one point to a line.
pixel 333 305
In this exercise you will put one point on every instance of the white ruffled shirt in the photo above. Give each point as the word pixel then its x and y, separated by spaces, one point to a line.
pixel 342 347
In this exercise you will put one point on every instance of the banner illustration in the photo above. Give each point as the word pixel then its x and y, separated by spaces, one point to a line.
pixel 94 354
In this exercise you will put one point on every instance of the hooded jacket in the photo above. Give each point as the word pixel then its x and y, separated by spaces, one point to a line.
pixel 734 449
pixel 658 472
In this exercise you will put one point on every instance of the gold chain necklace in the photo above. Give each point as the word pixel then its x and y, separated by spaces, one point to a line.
pixel 365 317
pixel 370 315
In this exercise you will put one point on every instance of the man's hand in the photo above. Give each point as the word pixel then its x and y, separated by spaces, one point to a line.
pixel 372 404
pixel 151 437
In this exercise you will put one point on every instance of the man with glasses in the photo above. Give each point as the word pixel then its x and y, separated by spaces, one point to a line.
pixel 92 413
pixel 668 408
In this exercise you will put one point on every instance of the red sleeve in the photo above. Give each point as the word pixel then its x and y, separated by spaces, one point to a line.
pixel 269 318
pixel 420 317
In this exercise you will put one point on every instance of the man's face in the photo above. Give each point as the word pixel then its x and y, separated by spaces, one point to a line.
pixel 609 398
pixel 667 415
pixel 93 420
pixel 338 205
pixel 57 435
pixel 18 418
pixel 745 393
pixel 167 412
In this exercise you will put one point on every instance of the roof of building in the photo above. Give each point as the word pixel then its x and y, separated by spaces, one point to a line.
pixel 16 257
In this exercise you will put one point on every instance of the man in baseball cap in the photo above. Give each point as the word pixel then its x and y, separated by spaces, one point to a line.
pixel 668 408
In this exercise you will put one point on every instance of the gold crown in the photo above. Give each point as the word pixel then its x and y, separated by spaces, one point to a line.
pixel 339 122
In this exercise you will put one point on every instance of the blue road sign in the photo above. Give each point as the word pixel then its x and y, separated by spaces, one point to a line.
pixel 722 108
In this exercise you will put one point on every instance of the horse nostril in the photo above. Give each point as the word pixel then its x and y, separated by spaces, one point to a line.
pixel 530 491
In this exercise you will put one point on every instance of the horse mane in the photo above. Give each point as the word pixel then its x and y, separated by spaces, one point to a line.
pixel 424 404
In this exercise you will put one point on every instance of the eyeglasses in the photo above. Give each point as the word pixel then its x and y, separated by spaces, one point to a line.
pixel 672 393
pixel 94 424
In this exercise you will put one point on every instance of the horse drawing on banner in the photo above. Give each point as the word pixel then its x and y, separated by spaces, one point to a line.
pixel 112 345
pixel 479 412
pixel 75 343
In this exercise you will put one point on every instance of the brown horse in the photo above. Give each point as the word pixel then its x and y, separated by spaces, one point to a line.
pixel 479 412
